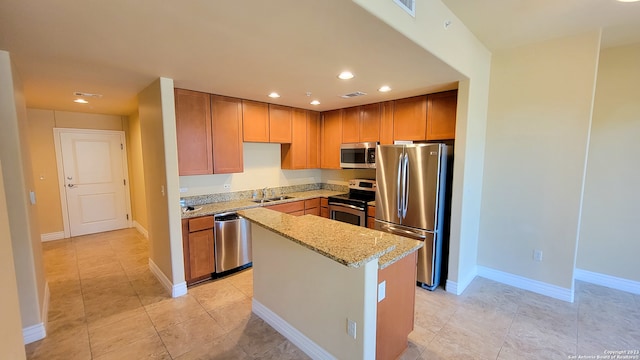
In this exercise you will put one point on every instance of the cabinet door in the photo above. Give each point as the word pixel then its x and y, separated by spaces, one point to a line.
pixel 193 130
pixel 324 212
pixel 441 115
pixel 279 124
pixel 255 121
pixel 201 262
pixel 410 118
pixel 351 125
pixel 331 136
pixel 294 155
pixel 370 123
pixel 386 123
pixel 226 121
pixel 313 140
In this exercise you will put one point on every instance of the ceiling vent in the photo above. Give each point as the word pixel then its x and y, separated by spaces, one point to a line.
pixel 353 94
pixel 84 94
pixel 407 5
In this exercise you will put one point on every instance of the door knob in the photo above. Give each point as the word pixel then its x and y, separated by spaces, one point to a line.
pixel 71 185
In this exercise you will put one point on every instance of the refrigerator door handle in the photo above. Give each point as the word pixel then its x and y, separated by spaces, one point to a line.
pixel 405 200
pixel 399 195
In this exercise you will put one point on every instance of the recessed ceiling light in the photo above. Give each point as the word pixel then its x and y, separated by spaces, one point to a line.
pixel 80 101
pixel 384 88
pixel 315 102
pixel 345 75
pixel 274 95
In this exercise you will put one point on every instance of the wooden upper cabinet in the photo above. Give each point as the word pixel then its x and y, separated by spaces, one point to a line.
pixel 313 140
pixel 441 115
pixel 370 123
pixel 294 155
pixel 386 123
pixel 410 118
pixel 279 123
pixel 361 124
pixel 330 139
pixel 351 125
pixel 226 124
pixel 193 130
pixel 255 121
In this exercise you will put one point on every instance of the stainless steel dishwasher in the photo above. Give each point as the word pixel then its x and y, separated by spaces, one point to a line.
pixel 232 235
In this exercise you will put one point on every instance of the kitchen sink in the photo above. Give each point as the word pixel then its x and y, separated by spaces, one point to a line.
pixel 277 198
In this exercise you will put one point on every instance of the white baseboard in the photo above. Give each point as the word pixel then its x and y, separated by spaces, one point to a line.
pixel 34 333
pixel 176 290
pixel 459 287
pixel 38 331
pixel 305 344
pixel 609 281
pixel 524 283
pixel 141 229
pixel 58 235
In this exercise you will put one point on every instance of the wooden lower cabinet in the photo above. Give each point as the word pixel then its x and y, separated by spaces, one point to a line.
pixel 198 248
pixel 298 208
pixel 324 207
pixel 396 311
pixel 371 217
pixel 293 208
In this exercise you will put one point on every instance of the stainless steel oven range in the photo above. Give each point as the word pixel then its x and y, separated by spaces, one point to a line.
pixel 352 206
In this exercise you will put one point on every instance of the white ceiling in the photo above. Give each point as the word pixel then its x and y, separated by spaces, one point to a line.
pixel 249 48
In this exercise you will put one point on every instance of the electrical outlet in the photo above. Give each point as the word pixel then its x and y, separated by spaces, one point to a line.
pixel 537 255
pixel 227 186
pixel 382 290
pixel 351 328
pixel 184 190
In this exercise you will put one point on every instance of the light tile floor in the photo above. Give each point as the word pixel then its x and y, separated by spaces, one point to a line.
pixel 106 304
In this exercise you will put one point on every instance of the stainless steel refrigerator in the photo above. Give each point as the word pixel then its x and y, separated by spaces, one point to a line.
pixel 410 200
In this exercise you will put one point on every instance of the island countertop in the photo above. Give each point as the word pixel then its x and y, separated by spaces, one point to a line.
pixel 344 243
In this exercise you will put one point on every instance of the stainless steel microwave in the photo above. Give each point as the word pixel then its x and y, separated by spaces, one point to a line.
pixel 358 155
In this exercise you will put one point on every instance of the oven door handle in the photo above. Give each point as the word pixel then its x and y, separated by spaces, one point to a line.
pixel 347 206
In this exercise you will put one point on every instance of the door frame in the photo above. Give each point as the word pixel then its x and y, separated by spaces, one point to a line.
pixel 61 187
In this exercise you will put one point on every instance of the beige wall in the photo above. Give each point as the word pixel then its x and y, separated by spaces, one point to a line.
pixel 261 169
pixel 459 48
pixel 609 242
pixel 11 342
pixel 43 157
pixel 537 133
pixel 159 150
pixel 18 182
pixel 136 172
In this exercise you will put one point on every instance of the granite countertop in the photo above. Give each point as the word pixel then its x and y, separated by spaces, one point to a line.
pixel 350 245
pixel 235 205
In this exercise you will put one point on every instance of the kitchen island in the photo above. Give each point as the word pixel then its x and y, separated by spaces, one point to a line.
pixel 332 288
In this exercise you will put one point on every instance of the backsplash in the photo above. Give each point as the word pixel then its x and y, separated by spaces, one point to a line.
pixel 248 194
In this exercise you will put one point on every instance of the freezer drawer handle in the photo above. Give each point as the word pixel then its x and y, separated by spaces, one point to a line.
pixel 407 232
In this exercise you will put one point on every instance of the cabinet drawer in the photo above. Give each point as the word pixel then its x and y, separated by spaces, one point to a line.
pixel 288 207
pixel 324 202
pixel 324 212
pixel 312 203
pixel 312 211
pixel 297 213
pixel 200 223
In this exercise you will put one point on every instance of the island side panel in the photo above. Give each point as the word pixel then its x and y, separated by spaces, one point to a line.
pixel 396 310
pixel 316 295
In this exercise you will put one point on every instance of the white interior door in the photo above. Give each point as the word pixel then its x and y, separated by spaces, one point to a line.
pixel 95 180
